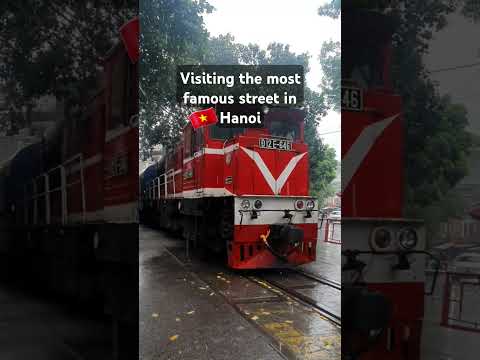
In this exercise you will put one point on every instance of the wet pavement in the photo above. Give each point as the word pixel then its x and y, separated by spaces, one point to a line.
pixel 35 329
pixel 198 309
pixel 181 318
pixel 328 260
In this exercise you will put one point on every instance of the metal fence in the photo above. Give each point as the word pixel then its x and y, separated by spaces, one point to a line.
pixel 331 230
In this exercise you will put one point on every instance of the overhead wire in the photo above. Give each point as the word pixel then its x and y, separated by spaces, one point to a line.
pixel 453 68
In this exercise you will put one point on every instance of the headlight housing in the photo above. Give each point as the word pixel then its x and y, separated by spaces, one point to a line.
pixel 408 238
pixel 381 239
pixel 299 204
pixel 257 204
pixel 310 205
pixel 245 204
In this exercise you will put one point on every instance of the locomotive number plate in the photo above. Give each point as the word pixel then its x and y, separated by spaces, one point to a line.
pixel 275 144
pixel 352 99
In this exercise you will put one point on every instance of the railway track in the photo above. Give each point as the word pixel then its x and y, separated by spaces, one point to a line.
pixel 297 324
pixel 310 291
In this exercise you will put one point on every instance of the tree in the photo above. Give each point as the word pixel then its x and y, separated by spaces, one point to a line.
pixel 323 163
pixel 330 59
pixel 54 48
pixel 332 9
pixel 437 142
pixel 172 33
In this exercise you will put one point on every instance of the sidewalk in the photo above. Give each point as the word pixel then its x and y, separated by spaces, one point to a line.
pixel 180 318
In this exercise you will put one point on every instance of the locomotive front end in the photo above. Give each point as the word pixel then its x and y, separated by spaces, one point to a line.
pixel 383 274
pixel 242 192
pixel 273 232
pixel 274 219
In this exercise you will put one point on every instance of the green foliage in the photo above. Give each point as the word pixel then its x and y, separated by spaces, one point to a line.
pixel 53 47
pixel 321 156
pixel 172 33
pixel 332 9
pixel 471 9
pixel 438 149
pixel 330 59
pixel 437 142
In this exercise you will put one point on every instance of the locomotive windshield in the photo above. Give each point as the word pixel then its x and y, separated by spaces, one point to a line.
pixel 284 128
pixel 364 47
pixel 366 67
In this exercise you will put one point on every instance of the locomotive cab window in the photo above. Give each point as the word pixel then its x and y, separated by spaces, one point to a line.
pixel 366 67
pixel 366 47
pixel 284 128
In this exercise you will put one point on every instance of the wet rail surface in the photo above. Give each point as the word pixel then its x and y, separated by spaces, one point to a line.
pixel 302 324
pixel 322 294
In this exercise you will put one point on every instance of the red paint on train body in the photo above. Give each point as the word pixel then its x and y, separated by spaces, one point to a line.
pixel 377 134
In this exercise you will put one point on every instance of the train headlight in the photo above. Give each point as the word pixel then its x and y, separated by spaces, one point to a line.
pixel 257 204
pixel 310 204
pixel 299 204
pixel 408 238
pixel 381 239
pixel 245 204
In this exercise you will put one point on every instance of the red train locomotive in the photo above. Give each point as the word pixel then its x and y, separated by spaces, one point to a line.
pixel 72 197
pixel 241 191
pixel 383 263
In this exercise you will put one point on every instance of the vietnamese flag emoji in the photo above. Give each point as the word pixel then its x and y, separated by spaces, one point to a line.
pixel 130 32
pixel 203 118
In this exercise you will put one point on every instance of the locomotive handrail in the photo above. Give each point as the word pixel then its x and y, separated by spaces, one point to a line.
pixel 172 173
pixel 164 182
pixel 64 185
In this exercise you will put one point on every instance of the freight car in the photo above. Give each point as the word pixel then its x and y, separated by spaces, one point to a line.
pixel 243 192
pixel 71 199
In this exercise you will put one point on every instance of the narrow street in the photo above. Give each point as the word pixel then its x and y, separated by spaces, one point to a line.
pixel 198 309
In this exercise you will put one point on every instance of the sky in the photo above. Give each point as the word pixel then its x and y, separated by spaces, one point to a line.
pixel 292 22
pixel 457 45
